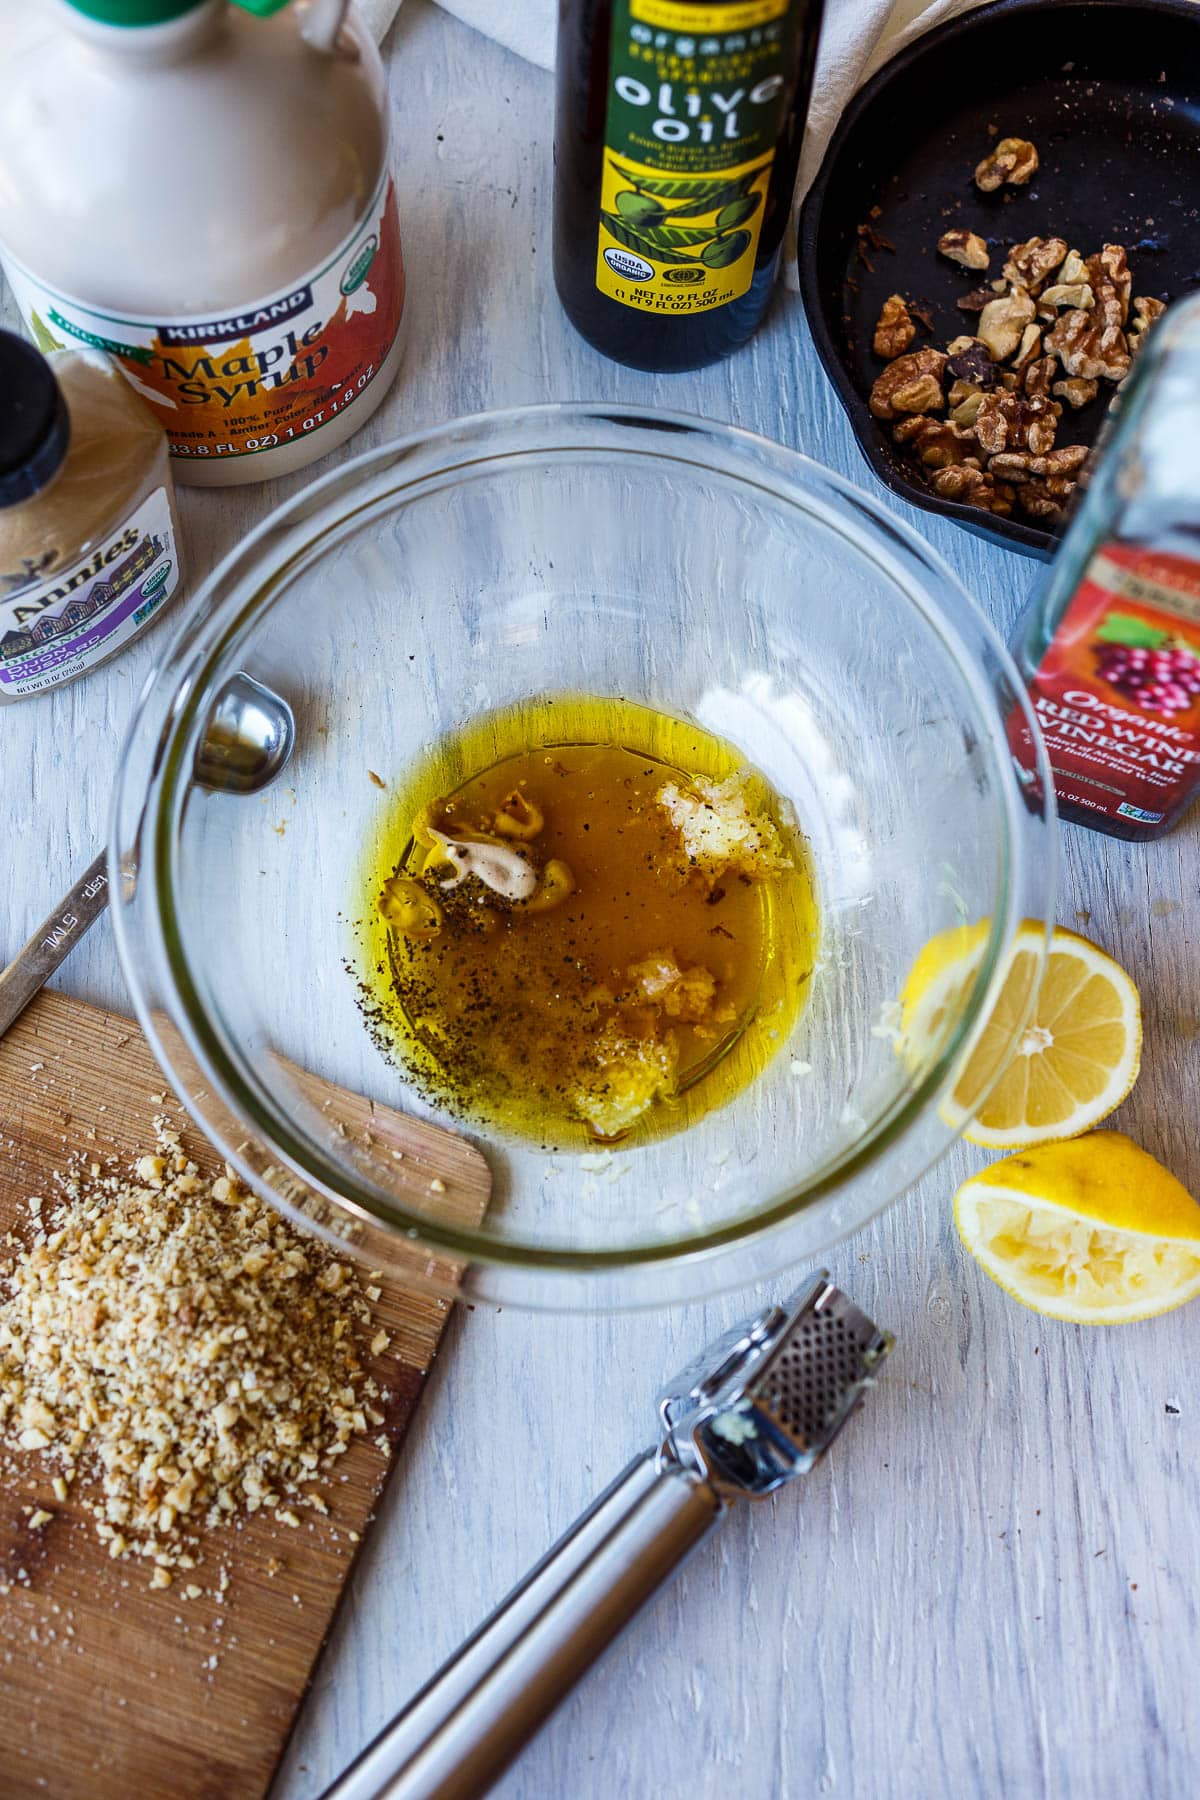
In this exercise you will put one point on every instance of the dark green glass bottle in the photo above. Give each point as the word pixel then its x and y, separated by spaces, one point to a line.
pixel 678 131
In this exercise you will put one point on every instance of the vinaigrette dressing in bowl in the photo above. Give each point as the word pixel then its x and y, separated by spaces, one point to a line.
pixel 747 607
pixel 601 934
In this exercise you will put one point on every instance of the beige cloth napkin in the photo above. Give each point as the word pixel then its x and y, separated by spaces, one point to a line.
pixel 858 36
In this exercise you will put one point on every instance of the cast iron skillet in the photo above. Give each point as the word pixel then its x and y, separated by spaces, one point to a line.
pixel 1109 91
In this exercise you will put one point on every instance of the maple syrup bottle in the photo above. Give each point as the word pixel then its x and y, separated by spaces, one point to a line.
pixel 1111 650
pixel 677 135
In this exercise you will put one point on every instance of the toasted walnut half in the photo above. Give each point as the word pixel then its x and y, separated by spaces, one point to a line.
pixel 1109 270
pixel 974 488
pixel 1068 459
pixel 1038 376
pixel 1145 310
pixel 966 248
pixel 1076 391
pixel 1013 161
pixel 1037 499
pixel 1066 293
pixel 1012 422
pixel 894 328
pixel 1087 347
pixel 935 442
pixel 1030 263
pixel 975 301
pixel 1002 323
pixel 911 384
pixel 1025 465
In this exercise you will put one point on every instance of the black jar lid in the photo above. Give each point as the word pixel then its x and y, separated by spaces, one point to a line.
pixel 35 427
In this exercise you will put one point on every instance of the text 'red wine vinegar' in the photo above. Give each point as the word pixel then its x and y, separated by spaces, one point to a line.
pixel 1111 652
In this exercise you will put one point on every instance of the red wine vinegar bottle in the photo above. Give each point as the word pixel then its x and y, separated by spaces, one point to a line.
pixel 677 135
pixel 1111 650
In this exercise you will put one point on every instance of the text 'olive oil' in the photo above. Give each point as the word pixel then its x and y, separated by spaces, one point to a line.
pixel 677 136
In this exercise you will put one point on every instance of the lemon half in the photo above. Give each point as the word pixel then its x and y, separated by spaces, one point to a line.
pixel 1073 1062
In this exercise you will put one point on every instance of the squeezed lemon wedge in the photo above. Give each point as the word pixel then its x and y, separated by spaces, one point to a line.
pixel 1092 1230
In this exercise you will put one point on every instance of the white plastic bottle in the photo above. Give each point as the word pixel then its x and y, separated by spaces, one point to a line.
pixel 202 191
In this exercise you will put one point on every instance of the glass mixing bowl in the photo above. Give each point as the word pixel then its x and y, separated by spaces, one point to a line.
pixel 692 567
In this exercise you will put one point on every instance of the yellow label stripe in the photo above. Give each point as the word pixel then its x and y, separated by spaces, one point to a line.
pixel 738 15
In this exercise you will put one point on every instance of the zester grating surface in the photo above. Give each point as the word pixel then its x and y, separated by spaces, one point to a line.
pixel 808 1385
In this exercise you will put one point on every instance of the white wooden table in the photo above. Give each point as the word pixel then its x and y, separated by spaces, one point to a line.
pixel 992 1586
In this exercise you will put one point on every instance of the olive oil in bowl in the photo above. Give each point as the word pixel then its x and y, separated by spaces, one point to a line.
pixel 584 923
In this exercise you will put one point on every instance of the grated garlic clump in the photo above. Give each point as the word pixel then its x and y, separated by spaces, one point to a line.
pixel 173 1342
pixel 631 1073
pixel 718 832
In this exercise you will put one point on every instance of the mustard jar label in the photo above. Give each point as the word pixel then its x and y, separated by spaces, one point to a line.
pixel 53 628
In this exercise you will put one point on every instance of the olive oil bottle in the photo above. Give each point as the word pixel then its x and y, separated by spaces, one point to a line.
pixel 678 131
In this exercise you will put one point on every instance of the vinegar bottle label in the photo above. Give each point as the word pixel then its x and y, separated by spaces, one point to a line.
pixel 271 370
pixel 697 98
pixel 1117 692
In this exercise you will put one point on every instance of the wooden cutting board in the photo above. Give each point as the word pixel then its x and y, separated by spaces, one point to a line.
pixel 109 1688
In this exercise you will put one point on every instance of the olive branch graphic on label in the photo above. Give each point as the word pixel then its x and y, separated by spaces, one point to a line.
pixel 649 218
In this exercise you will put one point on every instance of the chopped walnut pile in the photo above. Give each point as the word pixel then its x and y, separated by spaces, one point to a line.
pixel 178 1347
pixel 981 418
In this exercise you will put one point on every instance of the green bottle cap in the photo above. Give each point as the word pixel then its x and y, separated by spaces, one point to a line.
pixel 158 12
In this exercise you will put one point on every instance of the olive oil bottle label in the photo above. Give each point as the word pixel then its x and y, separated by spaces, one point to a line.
pixel 697 98
pixel 272 370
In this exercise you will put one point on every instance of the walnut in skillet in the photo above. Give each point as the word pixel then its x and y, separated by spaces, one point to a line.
pixel 910 384
pixel 980 421
pixel 1010 164
pixel 1076 391
pixel 895 328
pixel 974 487
pixel 966 248
pixel 1002 323
pixel 1088 347
pixel 1145 311
pixel 1030 263
pixel 934 442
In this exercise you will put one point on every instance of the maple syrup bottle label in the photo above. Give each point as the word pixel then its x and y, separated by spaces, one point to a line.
pixel 269 373
pixel 698 95
pixel 1117 691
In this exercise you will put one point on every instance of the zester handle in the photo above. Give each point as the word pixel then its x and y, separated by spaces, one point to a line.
pixel 464 1728
pixel 52 942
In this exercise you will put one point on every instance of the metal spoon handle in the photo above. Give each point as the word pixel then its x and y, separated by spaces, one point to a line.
pixel 52 942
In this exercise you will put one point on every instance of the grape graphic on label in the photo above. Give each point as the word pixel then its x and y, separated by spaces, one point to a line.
pixel 1163 678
